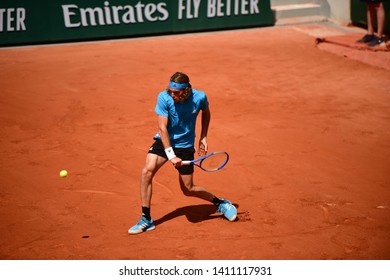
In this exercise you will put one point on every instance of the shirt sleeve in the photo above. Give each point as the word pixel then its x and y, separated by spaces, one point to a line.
pixel 204 103
pixel 161 106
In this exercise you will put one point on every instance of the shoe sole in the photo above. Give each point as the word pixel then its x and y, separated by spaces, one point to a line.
pixel 218 214
pixel 140 231
pixel 374 45
pixel 231 219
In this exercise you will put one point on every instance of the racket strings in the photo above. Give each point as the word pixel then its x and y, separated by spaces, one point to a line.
pixel 214 162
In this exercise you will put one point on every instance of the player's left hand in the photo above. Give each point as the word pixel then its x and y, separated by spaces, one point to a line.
pixel 202 147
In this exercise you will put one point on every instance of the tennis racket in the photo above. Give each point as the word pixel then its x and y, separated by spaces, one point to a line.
pixel 211 162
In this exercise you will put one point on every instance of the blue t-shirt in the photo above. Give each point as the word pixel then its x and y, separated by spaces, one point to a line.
pixel 181 116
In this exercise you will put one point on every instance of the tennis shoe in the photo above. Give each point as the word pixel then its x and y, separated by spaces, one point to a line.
pixel 375 42
pixel 142 226
pixel 366 38
pixel 227 209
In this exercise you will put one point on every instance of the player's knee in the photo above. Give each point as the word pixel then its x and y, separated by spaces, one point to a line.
pixel 146 173
pixel 186 191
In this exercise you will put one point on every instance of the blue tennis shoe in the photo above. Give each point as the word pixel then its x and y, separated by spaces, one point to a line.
pixel 142 226
pixel 227 209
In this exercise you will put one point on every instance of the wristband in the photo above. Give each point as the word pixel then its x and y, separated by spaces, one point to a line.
pixel 170 153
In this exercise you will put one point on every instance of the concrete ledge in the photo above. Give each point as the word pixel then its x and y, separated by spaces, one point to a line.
pixel 296 10
pixel 300 20
pixel 288 2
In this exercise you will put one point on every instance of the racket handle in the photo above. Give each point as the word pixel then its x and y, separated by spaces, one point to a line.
pixel 186 162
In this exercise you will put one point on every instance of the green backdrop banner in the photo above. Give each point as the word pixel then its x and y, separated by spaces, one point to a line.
pixel 47 21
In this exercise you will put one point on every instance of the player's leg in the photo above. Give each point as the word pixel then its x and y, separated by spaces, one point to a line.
pixel 377 12
pixel 186 174
pixel 190 189
pixel 152 165
pixel 380 15
pixel 186 180
pixel 370 13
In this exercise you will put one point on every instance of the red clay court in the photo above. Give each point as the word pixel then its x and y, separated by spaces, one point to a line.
pixel 307 127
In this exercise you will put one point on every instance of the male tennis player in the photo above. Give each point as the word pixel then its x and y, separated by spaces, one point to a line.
pixel 177 110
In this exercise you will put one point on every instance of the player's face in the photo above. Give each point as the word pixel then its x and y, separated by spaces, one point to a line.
pixel 178 95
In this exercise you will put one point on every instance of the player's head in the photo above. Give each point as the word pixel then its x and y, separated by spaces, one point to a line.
pixel 179 87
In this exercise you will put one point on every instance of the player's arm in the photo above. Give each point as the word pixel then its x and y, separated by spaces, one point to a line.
pixel 206 117
pixel 164 135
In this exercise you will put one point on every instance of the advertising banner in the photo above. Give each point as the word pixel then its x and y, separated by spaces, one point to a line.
pixel 46 21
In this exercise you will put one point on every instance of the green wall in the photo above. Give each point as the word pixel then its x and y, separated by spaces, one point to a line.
pixel 47 21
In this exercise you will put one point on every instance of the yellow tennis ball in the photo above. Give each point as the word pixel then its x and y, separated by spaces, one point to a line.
pixel 63 173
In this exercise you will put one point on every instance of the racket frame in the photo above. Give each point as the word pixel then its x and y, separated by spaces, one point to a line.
pixel 198 161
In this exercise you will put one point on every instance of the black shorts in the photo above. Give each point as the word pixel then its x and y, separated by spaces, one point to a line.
pixel 184 153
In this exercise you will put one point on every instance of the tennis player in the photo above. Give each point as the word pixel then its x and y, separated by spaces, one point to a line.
pixel 177 109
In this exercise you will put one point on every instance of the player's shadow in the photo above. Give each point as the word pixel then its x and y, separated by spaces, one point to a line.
pixel 193 213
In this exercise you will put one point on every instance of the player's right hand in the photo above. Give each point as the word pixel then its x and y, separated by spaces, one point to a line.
pixel 177 162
